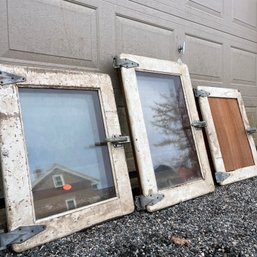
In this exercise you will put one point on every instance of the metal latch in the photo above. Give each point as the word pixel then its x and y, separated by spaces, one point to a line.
pixel 251 131
pixel 143 201
pixel 221 176
pixel 199 124
pixel 19 235
pixel 9 78
pixel 118 141
pixel 125 63
pixel 200 93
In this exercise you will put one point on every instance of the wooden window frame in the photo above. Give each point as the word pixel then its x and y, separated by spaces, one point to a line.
pixel 239 174
pixel 20 211
pixel 67 204
pixel 55 182
pixel 148 182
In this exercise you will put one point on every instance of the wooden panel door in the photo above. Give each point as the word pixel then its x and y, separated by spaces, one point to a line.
pixel 232 148
pixel 230 129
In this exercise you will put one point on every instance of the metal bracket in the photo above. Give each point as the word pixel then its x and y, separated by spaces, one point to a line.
pixel 143 201
pixel 125 63
pixel 9 78
pixel 201 93
pixel 182 48
pixel 221 176
pixel 118 141
pixel 251 131
pixel 199 124
pixel 19 235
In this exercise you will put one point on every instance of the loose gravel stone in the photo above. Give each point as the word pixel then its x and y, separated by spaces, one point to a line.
pixel 221 224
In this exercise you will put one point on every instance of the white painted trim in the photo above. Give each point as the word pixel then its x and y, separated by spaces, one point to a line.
pixel 216 154
pixel 54 180
pixel 20 209
pixel 139 135
pixel 68 200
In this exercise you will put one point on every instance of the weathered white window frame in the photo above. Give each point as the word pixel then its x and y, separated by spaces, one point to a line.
pixel 216 154
pixel 69 200
pixel 55 181
pixel 182 192
pixel 17 183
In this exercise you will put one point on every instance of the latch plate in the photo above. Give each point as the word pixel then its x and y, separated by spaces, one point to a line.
pixel 200 93
pixel 251 131
pixel 199 124
pixel 9 78
pixel 19 235
pixel 125 63
pixel 221 176
pixel 143 201
pixel 118 140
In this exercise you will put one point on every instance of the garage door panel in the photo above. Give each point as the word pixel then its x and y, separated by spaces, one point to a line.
pixel 178 5
pixel 142 38
pixel 246 90
pixel 211 7
pixel 45 30
pixel 204 58
pixel 243 66
pixel 245 13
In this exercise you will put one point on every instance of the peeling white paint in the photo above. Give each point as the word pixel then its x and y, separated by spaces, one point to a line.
pixel 143 156
pixel 216 154
pixel 17 183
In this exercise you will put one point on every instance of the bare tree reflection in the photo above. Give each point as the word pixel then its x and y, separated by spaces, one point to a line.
pixel 171 119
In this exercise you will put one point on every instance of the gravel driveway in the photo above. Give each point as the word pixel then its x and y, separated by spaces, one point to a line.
pixel 223 223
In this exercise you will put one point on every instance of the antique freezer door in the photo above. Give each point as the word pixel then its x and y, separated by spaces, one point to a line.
pixel 167 135
pixel 62 168
pixel 229 134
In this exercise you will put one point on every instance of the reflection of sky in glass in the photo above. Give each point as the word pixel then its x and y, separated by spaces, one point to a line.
pixel 62 127
pixel 163 91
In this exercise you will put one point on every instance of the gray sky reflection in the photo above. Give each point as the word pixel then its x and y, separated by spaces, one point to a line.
pixel 61 128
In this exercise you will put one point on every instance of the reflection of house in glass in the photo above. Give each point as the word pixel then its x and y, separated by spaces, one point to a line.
pixel 60 189
pixel 167 176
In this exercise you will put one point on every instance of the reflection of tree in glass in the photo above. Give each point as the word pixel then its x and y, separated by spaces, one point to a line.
pixel 171 118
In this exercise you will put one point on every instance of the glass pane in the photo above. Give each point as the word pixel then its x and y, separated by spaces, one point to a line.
pixel 63 131
pixel 168 128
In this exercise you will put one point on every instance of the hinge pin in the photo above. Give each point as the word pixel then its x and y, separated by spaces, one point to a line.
pixel 9 78
pixel 125 63
pixel 143 201
pixel 200 93
pixel 251 131
pixel 199 124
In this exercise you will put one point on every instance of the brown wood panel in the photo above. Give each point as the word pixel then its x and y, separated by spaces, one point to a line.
pixel 234 145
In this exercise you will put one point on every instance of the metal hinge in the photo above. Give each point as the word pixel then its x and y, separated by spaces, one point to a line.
pixel 199 124
pixel 200 93
pixel 9 78
pixel 221 176
pixel 125 63
pixel 143 201
pixel 251 131
pixel 19 235
pixel 118 141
